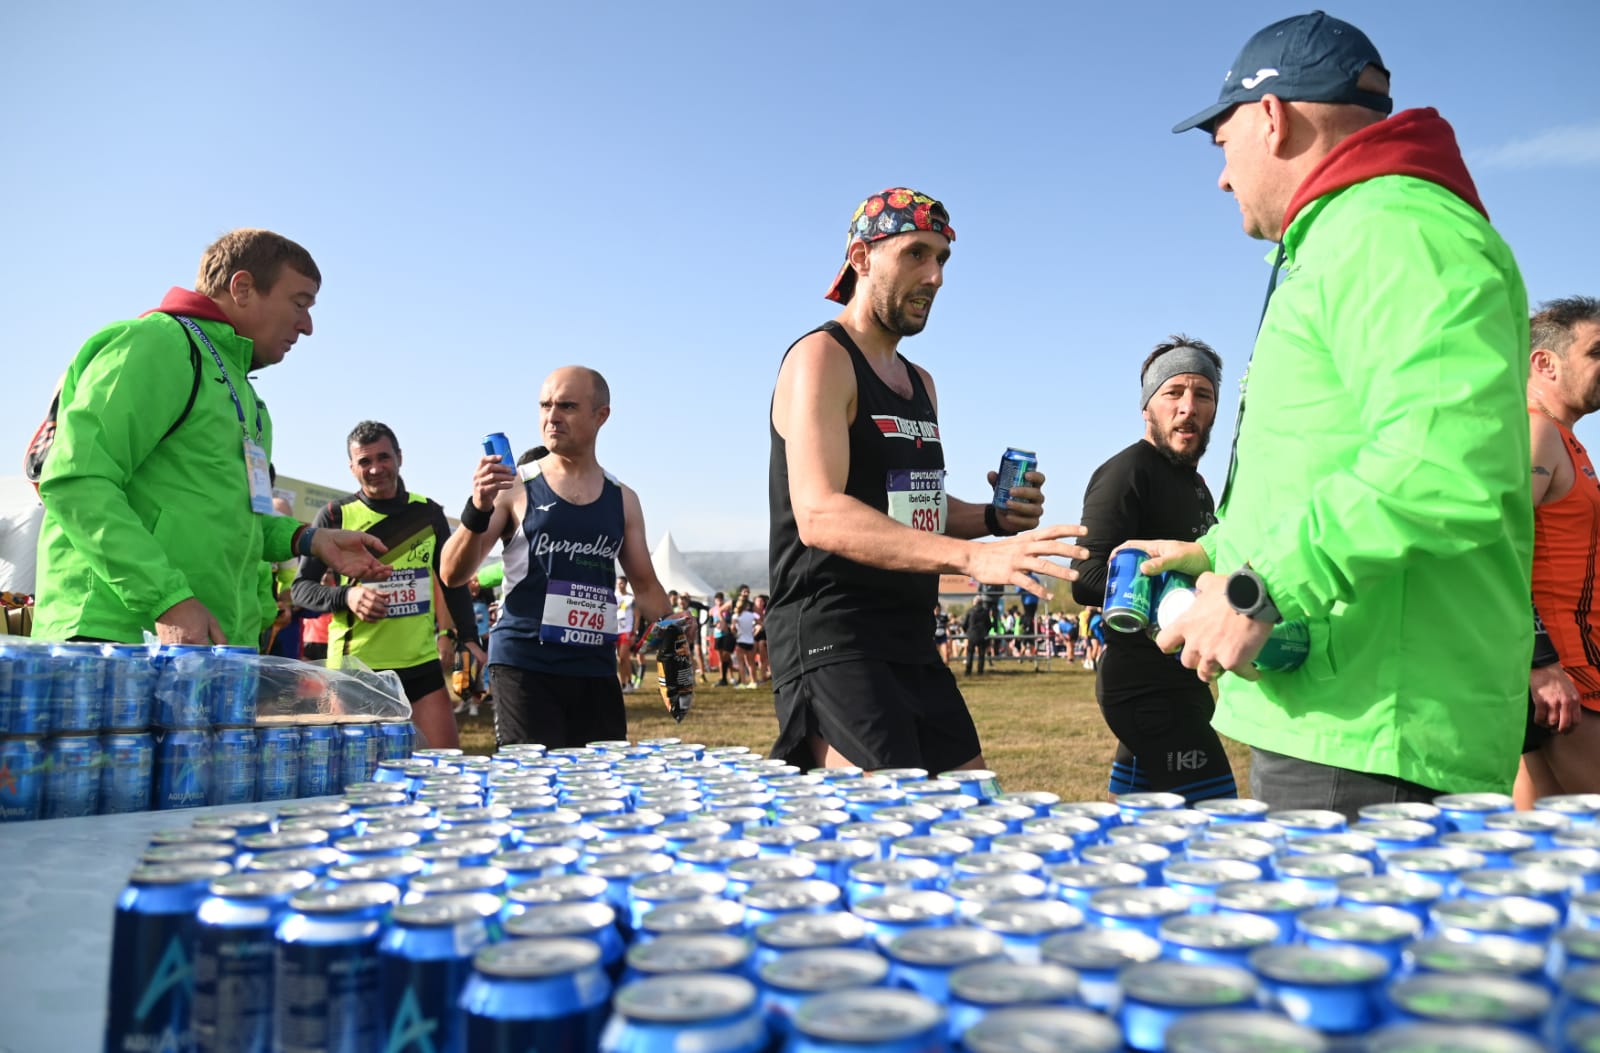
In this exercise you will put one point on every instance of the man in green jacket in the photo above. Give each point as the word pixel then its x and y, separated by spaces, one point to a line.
pixel 158 508
pixel 1379 485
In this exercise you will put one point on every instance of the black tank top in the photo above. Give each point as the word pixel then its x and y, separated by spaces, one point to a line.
pixel 826 608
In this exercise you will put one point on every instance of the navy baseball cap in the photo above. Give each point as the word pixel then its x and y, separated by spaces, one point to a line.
pixel 1307 58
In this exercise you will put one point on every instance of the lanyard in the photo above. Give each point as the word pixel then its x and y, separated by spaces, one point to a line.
pixel 238 407
pixel 1233 453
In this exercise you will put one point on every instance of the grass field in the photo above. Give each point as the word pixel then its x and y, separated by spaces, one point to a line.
pixel 1040 731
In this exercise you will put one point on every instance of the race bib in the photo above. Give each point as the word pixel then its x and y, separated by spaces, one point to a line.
pixel 579 615
pixel 407 591
pixel 917 498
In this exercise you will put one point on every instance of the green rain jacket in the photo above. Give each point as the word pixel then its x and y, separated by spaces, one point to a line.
pixel 1381 479
pixel 134 524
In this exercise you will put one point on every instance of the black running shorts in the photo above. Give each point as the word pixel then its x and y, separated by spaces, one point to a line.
pixel 558 711
pixel 878 715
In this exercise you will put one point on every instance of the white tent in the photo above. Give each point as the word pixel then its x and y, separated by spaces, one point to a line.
pixel 20 516
pixel 674 570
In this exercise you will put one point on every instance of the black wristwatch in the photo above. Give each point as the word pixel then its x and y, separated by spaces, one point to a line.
pixel 1247 594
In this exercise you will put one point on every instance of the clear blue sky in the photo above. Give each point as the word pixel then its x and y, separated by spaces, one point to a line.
pixel 661 191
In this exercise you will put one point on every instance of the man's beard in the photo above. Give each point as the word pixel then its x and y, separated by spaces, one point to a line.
pixel 1188 460
pixel 892 316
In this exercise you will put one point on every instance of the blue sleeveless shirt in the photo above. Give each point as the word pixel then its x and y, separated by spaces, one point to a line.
pixel 558 613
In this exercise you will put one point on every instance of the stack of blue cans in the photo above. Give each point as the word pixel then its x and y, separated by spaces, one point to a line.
pixel 89 729
pixel 664 895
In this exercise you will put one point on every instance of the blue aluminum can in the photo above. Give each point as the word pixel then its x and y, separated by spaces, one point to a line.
pixel 1024 925
pixel 1143 909
pixel 1485 956
pixel 235 765
pixel 869 1020
pixel 183 672
pixel 706 1012
pixel 1285 649
pixel 72 776
pixel 21 778
pixel 1098 956
pixel 396 870
pixel 1217 939
pixel 235 928
pixel 1077 1030
pixel 987 987
pixel 673 953
pixel 1383 930
pixel 1521 918
pixel 152 980
pixel 1015 464
pixel 425 956
pixel 1408 892
pixel 398 737
pixel 327 970
pixel 1469 811
pixel 1157 995
pixel 535 995
pixel 1337 990
pixel 1478 1001
pixel 127 771
pixel 319 760
pixel 77 687
pixel 183 768
pixel 1239 1029
pixel 234 682
pixel 495 444
pixel 360 749
pixel 1127 603
pixel 594 922
pixel 1278 901
pixel 278 762
pixel 130 688
pixel 895 913
pixel 26 679
pixel 789 978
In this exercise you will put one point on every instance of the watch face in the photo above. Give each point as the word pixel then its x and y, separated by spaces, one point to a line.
pixel 1243 592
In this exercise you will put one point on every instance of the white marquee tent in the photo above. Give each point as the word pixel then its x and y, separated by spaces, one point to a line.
pixel 20 516
pixel 674 570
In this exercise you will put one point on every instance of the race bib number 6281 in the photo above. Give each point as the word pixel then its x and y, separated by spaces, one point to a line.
pixel 917 498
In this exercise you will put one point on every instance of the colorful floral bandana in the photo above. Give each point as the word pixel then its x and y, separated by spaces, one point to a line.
pixel 897 210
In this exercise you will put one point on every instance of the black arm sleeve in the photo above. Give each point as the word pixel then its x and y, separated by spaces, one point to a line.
pixel 308 592
pixel 458 598
pixel 1110 514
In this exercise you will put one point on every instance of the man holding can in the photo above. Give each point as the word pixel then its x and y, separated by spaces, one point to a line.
pixel 1159 712
pixel 861 524
pixel 1558 755
pixel 392 624
pixel 1378 489
pixel 565 523
pixel 156 487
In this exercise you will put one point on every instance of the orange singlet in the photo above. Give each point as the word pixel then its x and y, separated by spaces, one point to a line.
pixel 1566 537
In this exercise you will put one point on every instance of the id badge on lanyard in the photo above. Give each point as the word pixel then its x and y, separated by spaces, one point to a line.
pixel 255 466
pixel 256 472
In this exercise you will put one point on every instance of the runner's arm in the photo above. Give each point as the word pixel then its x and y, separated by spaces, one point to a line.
pixel 649 598
pixel 1550 458
pixel 457 600
pixel 464 552
pixel 308 592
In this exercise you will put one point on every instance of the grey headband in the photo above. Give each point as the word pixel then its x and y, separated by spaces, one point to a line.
pixel 1174 363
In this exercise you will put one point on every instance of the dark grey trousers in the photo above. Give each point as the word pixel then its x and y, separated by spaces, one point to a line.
pixel 1286 783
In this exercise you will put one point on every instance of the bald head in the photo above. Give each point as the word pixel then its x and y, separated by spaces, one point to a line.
pixel 574 402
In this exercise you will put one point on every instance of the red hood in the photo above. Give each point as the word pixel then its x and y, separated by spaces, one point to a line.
pixel 192 304
pixel 1415 143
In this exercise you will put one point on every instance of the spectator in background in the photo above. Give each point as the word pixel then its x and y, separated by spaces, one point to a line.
pixel 941 632
pixel 722 622
pixel 763 660
pixel 978 623
pixel 625 670
pixel 745 620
